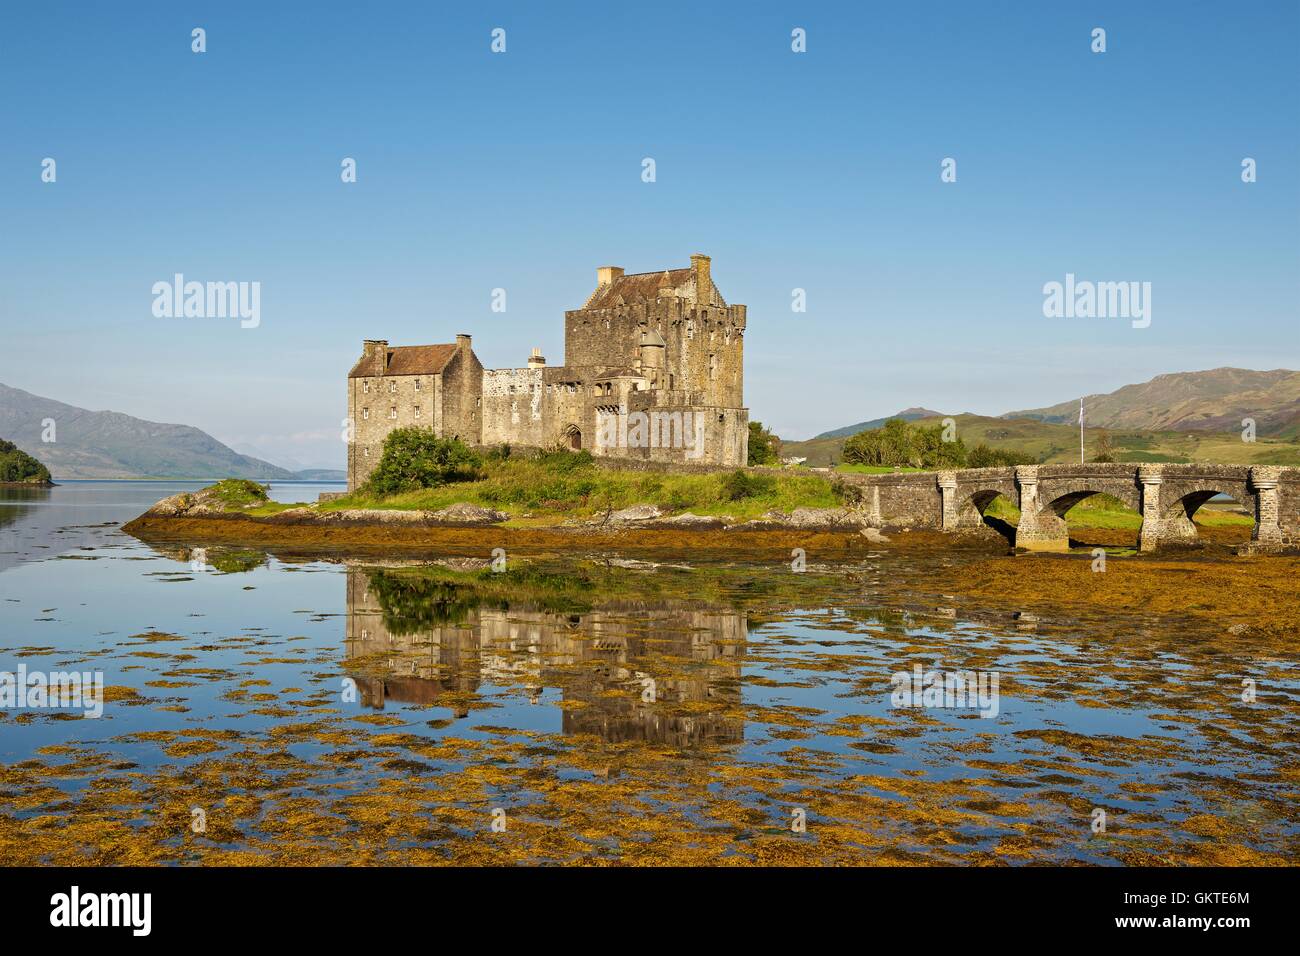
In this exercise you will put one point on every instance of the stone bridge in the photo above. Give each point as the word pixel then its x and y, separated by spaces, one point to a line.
pixel 1166 495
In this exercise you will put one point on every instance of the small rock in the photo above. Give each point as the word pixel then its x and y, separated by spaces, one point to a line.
pixel 634 513
pixel 874 535
pixel 463 513
pixel 688 520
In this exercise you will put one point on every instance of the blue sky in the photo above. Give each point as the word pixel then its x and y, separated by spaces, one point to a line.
pixel 522 171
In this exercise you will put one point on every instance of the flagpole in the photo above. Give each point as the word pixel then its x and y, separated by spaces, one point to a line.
pixel 1081 461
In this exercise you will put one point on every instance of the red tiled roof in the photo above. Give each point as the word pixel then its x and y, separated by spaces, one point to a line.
pixel 410 360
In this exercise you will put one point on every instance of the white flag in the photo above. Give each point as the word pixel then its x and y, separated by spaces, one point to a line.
pixel 1080 411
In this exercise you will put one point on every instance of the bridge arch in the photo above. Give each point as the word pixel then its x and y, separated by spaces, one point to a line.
pixel 975 507
pixel 1057 496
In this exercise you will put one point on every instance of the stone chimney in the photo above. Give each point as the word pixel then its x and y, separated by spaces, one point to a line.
pixel 703 281
pixel 375 356
pixel 535 360
pixel 462 342
pixel 605 275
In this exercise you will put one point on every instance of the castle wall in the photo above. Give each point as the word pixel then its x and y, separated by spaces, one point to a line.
pixel 515 408
pixel 460 399
pixel 378 404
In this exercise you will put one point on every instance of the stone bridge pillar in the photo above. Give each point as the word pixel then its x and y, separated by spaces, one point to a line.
pixel 1160 523
pixel 1268 519
pixel 1038 530
pixel 948 496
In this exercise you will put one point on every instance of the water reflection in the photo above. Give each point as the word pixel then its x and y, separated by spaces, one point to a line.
pixel 663 672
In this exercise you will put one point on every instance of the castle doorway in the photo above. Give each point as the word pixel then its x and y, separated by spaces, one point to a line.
pixel 573 438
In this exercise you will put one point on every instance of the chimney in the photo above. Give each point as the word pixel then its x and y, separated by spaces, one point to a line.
pixel 605 275
pixel 462 342
pixel 535 360
pixel 375 355
pixel 703 281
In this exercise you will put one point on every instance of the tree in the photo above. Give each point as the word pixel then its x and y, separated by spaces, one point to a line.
pixel 415 458
pixel 764 447
pixel 1101 448
pixel 900 444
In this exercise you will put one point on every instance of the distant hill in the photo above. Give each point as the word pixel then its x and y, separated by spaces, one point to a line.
pixel 907 415
pixel 112 445
pixel 321 474
pixel 1213 400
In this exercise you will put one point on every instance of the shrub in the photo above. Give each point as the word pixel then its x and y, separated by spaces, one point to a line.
pixel 740 485
pixel 982 456
pixel 415 458
pixel 899 444
pixel 764 447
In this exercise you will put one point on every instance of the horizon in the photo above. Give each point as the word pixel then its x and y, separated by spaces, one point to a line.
pixel 522 171
pixel 297 467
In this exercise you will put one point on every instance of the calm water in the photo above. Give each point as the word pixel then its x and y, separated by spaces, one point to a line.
pixel 602 707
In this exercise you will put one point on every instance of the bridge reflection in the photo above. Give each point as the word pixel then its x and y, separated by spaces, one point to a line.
pixel 659 671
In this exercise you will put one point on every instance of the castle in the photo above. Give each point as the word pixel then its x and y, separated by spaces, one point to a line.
pixel 653 370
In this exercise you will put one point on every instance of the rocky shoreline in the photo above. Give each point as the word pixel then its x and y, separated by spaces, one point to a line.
pixel 193 517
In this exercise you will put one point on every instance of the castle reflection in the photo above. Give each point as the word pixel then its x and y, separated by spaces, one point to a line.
pixel 659 671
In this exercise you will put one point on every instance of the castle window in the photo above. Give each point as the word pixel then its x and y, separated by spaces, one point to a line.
pixel 365 452
pixel 365 413
pixel 392 412
pixel 365 385
pixel 417 411
pixel 417 384
pixel 392 387
pixel 713 366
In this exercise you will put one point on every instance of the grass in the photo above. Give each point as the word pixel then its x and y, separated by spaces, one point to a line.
pixel 574 485
pixel 875 469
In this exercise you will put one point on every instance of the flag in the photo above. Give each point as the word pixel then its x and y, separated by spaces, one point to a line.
pixel 1080 411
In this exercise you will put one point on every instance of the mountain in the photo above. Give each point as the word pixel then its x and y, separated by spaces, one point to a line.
pixel 907 415
pixel 1215 400
pixel 112 445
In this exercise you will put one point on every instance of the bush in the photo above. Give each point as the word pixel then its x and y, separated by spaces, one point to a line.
pixel 764 447
pixel 740 485
pixel 900 444
pixel 982 456
pixel 415 458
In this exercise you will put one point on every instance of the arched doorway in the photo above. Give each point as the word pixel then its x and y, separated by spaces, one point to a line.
pixel 573 438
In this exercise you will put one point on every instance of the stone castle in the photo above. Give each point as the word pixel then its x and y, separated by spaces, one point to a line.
pixel 653 370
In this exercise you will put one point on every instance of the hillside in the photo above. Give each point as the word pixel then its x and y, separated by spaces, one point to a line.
pixel 907 415
pixel 1214 401
pixel 112 445
pixel 1051 442
pixel 18 467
